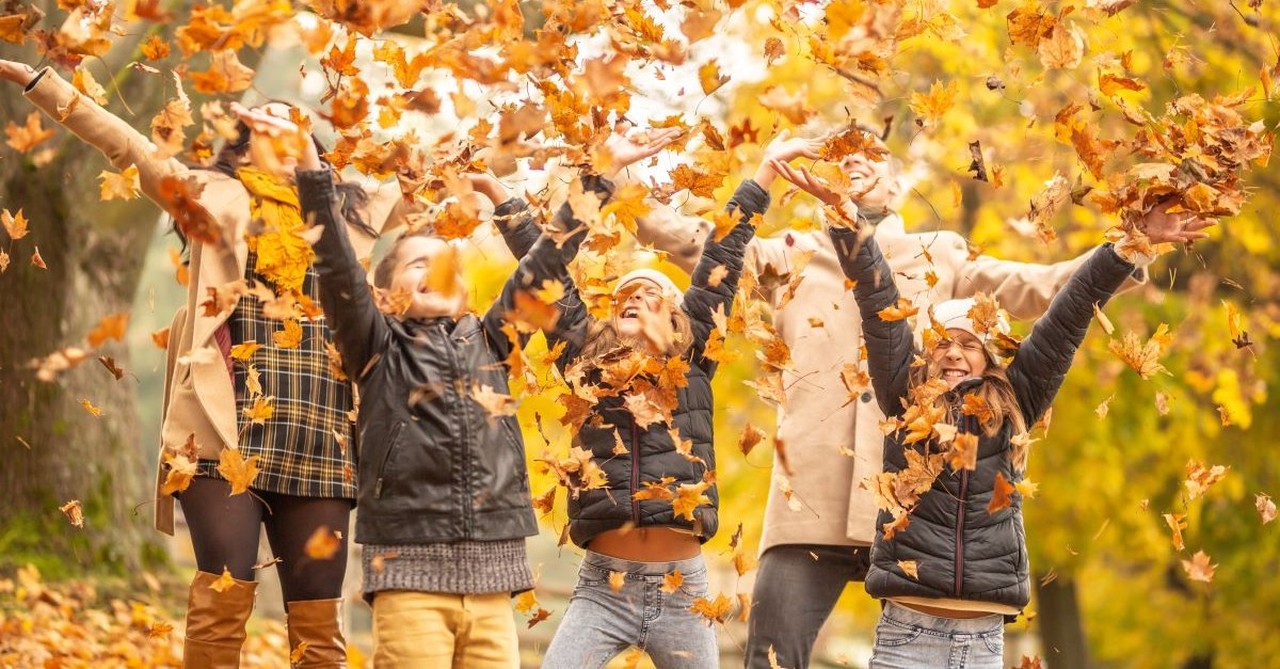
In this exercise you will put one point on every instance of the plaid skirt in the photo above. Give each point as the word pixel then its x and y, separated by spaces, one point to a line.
pixel 306 447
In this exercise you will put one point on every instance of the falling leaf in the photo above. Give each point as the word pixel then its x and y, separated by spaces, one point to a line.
pixel 1266 508
pixel 74 511
pixel 122 186
pixel 1104 407
pixel 1143 357
pixel 714 610
pixel 224 582
pixel 1001 494
pixel 238 471
pixel 903 309
pixel 260 412
pixel 1201 478
pixel 23 138
pixel 14 224
pixel 690 496
pixel 182 464
pixel 244 350
pixel 1177 522
pixel 88 406
pixel 910 567
pixel 751 436
pixel 963 453
pixel 1238 335
pixel 323 544
pixel 616 580
pixel 1199 568
pixel 672 581
pixel 931 106
pixel 110 327
pixel 110 364
pixel 290 337
pixel 710 78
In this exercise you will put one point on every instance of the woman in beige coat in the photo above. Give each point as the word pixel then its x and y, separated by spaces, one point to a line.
pixel 250 377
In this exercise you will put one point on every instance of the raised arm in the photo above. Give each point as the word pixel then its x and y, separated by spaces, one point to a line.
pixel 723 259
pixel 1025 289
pixel 890 344
pixel 1042 361
pixel 117 140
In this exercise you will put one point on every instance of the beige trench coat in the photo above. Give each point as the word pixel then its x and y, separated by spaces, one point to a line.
pixel 199 399
pixel 833 444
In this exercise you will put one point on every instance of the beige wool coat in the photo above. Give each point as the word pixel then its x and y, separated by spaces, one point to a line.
pixel 199 398
pixel 832 444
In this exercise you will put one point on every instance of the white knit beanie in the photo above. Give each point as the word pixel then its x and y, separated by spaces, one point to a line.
pixel 669 288
pixel 954 314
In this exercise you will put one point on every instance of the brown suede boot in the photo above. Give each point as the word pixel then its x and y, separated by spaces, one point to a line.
pixel 318 624
pixel 215 623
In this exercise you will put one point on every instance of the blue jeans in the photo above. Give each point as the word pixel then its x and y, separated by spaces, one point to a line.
pixel 908 639
pixel 601 623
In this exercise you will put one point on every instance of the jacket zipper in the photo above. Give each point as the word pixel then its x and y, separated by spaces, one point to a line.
pixel 635 473
pixel 464 450
pixel 386 457
pixel 964 486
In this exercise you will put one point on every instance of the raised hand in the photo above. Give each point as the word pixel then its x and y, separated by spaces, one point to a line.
pixel 19 73
pixel 626 147
pixel 1180 227
pixel 783 147
pixel 487 185
pixel 807 182
pixel 277 142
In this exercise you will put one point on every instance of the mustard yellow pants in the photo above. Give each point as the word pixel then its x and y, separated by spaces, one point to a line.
pixel 427 630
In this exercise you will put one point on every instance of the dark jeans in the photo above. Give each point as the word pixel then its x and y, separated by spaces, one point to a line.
pixel 225 530
pixel 796 588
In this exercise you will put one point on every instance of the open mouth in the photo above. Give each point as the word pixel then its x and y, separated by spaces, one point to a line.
pixel 629 312
pixel 953 375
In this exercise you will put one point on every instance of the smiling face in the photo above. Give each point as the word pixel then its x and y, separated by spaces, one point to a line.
pixel 414 258
pixel 639 302
pixel 961 358
pixel 874 182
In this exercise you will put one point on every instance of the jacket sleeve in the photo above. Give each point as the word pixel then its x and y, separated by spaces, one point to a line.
pixel 1042 361
pixel 1025 289
pixel 680 237
pixel 118 141
pixel 547 259
pixel 359 329
pixel 703 299
pixel 514 220
pixel 890 344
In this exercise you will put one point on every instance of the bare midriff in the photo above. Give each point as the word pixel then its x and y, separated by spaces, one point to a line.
pixel 940 612
pixel 647 544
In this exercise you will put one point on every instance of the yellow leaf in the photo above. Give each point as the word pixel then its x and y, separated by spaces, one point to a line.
pixel 690 496
pixel 85 83
pixel 672 582
pixel 88 406
pixel 110 327
pixel 290 336
pixel 236 470
pixel 23 138
pixel 903 309
pixel 710 78
pixel 244 350
pixel 224 582
pixel 932 105
pixel 122 186
pixel 627 204
pixel 260 412
pixel 14 224
pixel 716 611
pixel 910 567
pixel 616 580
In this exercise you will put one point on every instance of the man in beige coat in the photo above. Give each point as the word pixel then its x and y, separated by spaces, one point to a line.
pixel 833 441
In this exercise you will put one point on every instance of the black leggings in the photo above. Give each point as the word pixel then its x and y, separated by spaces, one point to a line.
pixel 224 533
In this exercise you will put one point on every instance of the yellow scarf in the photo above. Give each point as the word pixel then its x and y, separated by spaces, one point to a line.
pixel 283 254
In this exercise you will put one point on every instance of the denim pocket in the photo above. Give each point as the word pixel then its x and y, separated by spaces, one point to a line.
pixel 591 577
pixel 995 643
pixel 891 634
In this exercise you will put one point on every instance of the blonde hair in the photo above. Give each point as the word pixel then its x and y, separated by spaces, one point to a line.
pixel 603 339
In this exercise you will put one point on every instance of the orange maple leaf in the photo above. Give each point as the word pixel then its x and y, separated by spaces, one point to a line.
pixel 238 471
pixel 323 544
pixel 110 327
pixel 1001 495
pixel 23 138
pixel 715 610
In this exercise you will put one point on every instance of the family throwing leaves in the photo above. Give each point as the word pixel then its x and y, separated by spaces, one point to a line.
pixel 299 375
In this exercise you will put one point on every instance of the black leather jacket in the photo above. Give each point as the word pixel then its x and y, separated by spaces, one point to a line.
pixel 963 551
pixel 432 465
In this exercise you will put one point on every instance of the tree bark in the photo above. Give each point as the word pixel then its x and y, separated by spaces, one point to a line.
pixel 53 449
pixel 1061 629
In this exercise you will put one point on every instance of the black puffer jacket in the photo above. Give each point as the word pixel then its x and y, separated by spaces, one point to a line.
pixel 432 465
pixel 651 453
pixel 961 550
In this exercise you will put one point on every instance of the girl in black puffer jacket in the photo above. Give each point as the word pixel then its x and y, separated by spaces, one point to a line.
pixel 949 558
pixel 641 479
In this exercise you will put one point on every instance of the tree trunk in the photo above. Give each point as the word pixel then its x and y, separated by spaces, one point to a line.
pixel 1061 629
pixel 53 449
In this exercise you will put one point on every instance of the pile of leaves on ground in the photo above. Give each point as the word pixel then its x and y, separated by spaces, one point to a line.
pixel 69 624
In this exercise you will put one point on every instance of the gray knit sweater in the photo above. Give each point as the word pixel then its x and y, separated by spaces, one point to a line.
pixel 460 568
